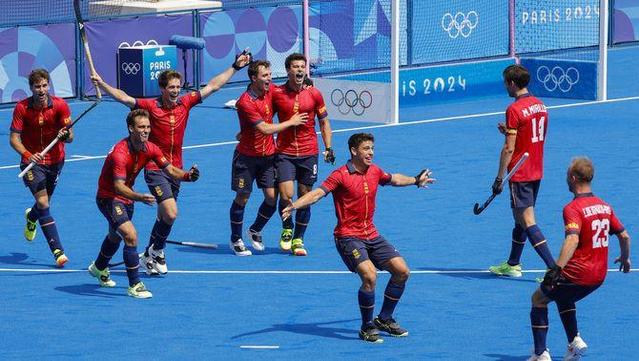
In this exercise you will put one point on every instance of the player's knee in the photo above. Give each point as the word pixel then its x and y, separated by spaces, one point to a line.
pixel 42 202
pixel 242 198
pixel 369 281
pixel 169 216
pixel 538 299
pixel 403 275
pixel 131 238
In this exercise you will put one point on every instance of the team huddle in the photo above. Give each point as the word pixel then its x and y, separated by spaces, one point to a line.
pixel 287 165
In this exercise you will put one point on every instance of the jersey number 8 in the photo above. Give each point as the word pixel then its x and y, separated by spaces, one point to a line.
pixel 601 228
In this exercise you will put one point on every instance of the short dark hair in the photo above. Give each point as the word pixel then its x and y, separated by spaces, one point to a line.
pixel 166 76
pixel 358 138
pixel 582 169
pixel 293 57
pixel 518 75
pixel 254 67
pixel 37 75
pixel 130 118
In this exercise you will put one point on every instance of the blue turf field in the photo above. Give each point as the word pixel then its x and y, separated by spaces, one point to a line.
pixel 213 303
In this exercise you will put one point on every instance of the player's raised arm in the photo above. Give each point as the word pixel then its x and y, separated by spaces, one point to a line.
pixel 217 82
pixel 117 94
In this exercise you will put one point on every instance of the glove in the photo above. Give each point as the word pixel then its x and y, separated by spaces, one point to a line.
pixel 419 175
pixel 192 175
pixel 65 135
pixel 497 186
pixel 329 157
pixel 551 277
pixel 238 67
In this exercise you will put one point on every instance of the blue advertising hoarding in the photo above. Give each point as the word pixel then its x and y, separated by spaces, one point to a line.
pixel 560 78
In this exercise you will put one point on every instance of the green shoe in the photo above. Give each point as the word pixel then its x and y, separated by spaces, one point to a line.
pixel 505 269
pixel 298 247
pixel 139 291
pixel 31 228
pixel 104 277
pixel 285 239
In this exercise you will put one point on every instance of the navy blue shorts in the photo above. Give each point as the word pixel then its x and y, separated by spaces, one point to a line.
pixel 567 292
pixel 301 169
pixel 41 177
pixel 523 194
pixel 116 212
pixel 355 251
pixel 162 185
pixel 247 169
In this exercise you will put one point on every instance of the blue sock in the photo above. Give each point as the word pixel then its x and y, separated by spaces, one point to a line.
pixel 392 294
pixel 517 247
pixel 132 263
pixel 539 323
pixel 50 231
pixel 33 215
pixel 302 216
pixel 288 223
pixel 237 218
pixel 568 315
pixel 107 251
pixel 538 241
pixel 263 215
pixel 159 234
pixel 366 306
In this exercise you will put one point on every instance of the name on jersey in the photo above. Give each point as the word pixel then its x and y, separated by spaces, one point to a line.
pixel 534 109
pixel 596 209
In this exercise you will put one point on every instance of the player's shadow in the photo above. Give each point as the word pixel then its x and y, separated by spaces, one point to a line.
pixel 500 357
pixel 319 329
pixel 468 274
pixel 89 289
pixel 22 259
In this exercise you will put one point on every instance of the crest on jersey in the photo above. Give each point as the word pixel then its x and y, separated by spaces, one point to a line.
pixel 67 120
pixel 193 94
pixel 356 254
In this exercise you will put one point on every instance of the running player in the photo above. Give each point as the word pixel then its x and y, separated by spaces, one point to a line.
pixel 116 196
pixel 254 156
pixel 582 264
pixel 169 116
pixel 362 248
pixel 525 131
pixel 297 148
pixel 37 121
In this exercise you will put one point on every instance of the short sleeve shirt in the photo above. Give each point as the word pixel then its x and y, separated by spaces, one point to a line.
pixel 251 111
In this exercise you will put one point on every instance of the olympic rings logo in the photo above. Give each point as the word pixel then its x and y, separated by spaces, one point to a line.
pixel 460 24
pixel 351 100
pixel 130 68
pixel 558 78
pixel 125 44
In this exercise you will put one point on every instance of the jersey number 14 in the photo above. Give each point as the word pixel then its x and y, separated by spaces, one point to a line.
pixel 538 129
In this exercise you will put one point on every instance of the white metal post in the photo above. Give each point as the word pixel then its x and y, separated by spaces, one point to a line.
pixel 602 65
pixel 395 61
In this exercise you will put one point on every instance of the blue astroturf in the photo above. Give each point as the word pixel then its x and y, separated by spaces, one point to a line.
pixel 212 305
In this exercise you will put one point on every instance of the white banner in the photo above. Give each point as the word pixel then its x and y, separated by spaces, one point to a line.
pixel 355 100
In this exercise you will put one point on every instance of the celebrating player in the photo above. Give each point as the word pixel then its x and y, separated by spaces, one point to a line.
pixel 253 158
pixel 116 196
pixel 362 248
pixel 37 121
pixel 169 115
pixel 297 148
pixel 582 264
pixel 525 131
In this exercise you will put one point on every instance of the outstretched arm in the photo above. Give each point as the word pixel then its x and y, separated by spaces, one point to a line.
pixel 306 200
pixel 422 179
pixel 116 93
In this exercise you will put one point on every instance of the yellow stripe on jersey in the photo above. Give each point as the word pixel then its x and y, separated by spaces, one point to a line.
pixel 511 131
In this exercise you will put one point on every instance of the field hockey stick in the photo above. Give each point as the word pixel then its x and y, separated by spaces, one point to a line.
pixel 85 42
pixel 55 140
pixel 191 244
pixel 477 209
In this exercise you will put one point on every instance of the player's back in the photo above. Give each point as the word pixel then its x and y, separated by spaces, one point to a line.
pixel 529 117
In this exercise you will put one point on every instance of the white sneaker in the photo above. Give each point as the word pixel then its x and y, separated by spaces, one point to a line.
pixel 256 239
pixel 147 262
pixel 139 291
pixel 103 276
pixel 239 248
pixel 576 349
pixel 543 357
pixel 159 261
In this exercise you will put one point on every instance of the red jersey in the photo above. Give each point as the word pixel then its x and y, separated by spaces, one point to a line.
pixel 124 163
pixel 253 110
pixel 168 125
pixel 38 127
pixel 301 140
pixel 354 198
pixel 593 220
pixel 527 117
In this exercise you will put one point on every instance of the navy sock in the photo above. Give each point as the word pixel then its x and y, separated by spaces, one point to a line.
pixel 568 315
pixel 237 218
pixel 539 323
pixel 159 234
pixel 50 231
pixel 392 294
pixel 107 251
pixel 132 263
pixel 538 241
pixel 517 247
pixel 33 215
pixel 366 306
pixel 302 216
pixel 288 223
pixel 263 215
